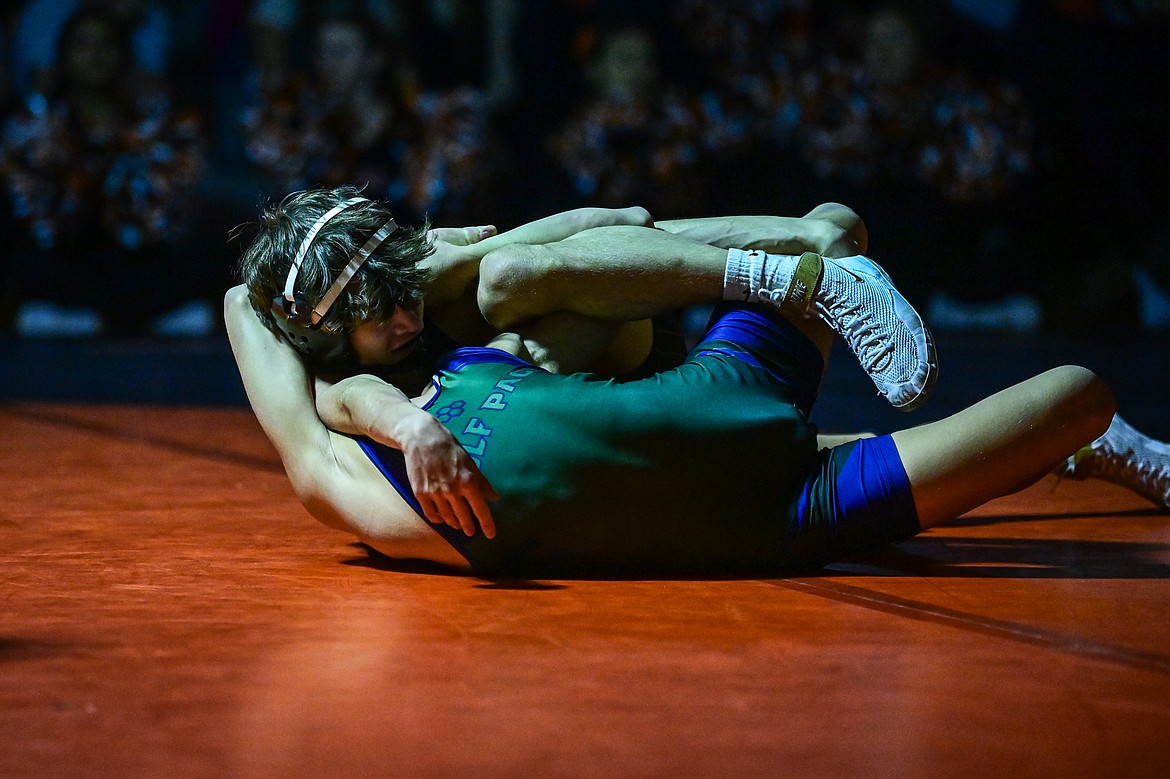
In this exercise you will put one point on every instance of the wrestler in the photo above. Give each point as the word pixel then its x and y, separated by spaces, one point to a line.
pixel 709 468
pixel 333 275
pixel 349 289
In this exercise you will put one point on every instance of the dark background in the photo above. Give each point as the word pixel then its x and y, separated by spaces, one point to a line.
pixel 738 108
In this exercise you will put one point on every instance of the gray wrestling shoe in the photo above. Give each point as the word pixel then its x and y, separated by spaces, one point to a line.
pixel 857 299
pixel 1126 457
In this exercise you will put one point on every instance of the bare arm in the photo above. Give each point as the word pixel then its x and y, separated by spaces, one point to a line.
pixel 830 229
pixel 454 264
pixel 444 478
pixel 280 391
pixel 295 418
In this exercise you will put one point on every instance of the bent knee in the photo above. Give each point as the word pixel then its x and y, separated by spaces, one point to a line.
pixel 637 216
pixel 1088 396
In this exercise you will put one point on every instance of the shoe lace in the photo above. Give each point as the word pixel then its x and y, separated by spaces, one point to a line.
pixel 863 333
pixel 1143 474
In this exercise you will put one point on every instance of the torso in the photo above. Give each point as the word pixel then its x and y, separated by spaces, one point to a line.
pixel 601 475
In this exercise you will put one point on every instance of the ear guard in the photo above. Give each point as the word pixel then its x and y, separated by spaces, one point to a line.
pixel 321 349
pixel 301 321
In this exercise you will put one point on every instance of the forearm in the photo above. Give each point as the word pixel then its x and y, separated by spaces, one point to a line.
pixel 557 227
pixel 367 406
pixel 831 229
pixel 444 478
pixel 778 234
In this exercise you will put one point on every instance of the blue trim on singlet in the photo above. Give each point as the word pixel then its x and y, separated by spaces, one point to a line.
pixel 392 464
pixel 762 331
pixel 471 355
pixel 873 481
pixel 871 500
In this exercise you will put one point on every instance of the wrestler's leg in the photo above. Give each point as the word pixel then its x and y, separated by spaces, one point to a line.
pixel 830 229
pixel 620 273
pixel 1002 443
pixel 611 274
pixel 854 236
pixel 564 342
pixel 626 273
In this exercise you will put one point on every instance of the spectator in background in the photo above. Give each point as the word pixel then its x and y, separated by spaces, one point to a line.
pixel 354 118
pixel 477 45
pixel 933 157
pixel 39 27
pixel 100 176
pixel 279 24
pixel 814 102
pixel 635 139
pixel 746 58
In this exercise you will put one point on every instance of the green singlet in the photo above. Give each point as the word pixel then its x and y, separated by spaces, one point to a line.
pixel 692 470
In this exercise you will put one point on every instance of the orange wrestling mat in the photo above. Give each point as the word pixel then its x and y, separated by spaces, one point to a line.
pixel 169 610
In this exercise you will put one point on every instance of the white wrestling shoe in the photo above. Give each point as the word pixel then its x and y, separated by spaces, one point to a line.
pixel 857 299
pixel 1126 457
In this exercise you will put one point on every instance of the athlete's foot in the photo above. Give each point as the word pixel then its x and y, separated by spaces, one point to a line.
pixel 857 299
pixel 1126 457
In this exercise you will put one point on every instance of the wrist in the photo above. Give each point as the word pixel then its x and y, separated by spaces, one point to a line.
pixel 451 273
pixel 413 428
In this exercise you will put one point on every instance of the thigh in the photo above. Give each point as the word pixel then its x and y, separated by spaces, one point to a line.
pixel 617 274
pixel 855 497
pixel 569 343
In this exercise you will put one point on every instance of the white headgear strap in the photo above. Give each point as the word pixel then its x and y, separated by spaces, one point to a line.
pixel 368 248
pixel 291 281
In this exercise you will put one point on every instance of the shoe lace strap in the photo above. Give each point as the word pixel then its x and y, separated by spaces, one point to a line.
pixel 866 338
pixel 1145 475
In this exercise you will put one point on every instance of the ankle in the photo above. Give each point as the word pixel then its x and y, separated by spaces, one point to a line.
pixel 789 282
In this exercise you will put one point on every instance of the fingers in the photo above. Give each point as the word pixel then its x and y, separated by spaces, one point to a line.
pixel 462 236
pixel 483 513
pixel 433 510
pixel 463 515
pixel 462 512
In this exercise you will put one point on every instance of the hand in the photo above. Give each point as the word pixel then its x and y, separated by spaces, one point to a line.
pixel 461 236
pixel 446 481
pixel 454 263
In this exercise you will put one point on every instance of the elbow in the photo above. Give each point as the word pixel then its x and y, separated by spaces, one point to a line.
pixel 233 301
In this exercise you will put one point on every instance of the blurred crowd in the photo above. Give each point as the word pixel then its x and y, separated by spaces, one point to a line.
pixel 1010 158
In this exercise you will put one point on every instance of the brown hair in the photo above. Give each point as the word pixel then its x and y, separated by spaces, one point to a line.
pixel 391 276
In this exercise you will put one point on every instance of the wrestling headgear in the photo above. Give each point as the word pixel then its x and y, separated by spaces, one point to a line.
pixel 300 321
